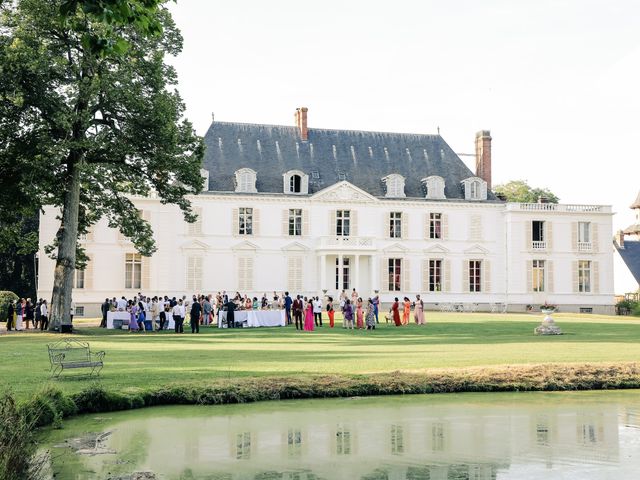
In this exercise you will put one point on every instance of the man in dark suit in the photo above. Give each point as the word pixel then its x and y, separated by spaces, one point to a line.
pixel 298 306
pixel 231 307
pixel 196 310
pixel 287 307
pixel 104 309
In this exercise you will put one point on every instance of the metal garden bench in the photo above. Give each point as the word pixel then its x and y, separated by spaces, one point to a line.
pixel 73 354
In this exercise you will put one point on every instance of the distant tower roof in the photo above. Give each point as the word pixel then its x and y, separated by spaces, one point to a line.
pixel 636 204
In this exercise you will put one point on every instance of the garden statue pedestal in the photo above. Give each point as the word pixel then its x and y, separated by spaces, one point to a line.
pixel 548 326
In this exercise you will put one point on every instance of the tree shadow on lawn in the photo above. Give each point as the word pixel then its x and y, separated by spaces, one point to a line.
pixel 492 332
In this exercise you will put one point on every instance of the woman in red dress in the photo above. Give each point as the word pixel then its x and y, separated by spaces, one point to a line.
pixel 395 309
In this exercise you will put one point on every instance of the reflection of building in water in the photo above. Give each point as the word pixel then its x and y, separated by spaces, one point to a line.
pixel 440 442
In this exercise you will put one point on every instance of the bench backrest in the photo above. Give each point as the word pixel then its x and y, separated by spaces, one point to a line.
pixel 71 350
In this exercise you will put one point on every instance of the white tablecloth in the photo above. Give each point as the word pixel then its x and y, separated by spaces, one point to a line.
pixel 126 316
pixel 256 318
pixel 111 316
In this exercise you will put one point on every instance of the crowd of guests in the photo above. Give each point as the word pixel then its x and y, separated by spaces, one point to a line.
pixel 22 314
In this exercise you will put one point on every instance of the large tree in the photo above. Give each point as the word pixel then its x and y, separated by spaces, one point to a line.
pixel 89 117
pixel 519 191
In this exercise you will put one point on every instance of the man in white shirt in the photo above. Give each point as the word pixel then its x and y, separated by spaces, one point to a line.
pixel 178 313
pixel 317 311
pixel 122 304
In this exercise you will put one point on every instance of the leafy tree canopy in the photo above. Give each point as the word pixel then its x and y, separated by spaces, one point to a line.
pixel 89 118
pixel 519 191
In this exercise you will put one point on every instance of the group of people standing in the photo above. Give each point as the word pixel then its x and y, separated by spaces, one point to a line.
pixel 22 313
pixel 418 312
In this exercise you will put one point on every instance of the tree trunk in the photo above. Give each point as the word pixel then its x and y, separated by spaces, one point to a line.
pixel 66 257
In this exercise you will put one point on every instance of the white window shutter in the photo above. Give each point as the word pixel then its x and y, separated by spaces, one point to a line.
pixel 235 224
pixel 285 222
pixel 595 242
pixel 353 231
pixel 384 274
pixel 447 276
pixel 574 236
pixel 241 273
pixel 595 272
pixel 88 274
pixel 550 287
pixel 528 235
pixel 574 276
pixel 256 222
pixel 425 274
pixel 196 227
pixel 465 276
pixel 529 270
pixel 146 273
pixel 405 225
pixel 549 234
pixel 426 225
pixel 305 223
pixel 250 273
pixel 333 229
pixel 445 226
pixel 406 276
pixel 387 226
pixel 483 191
pixel 475 228
pixel 486 276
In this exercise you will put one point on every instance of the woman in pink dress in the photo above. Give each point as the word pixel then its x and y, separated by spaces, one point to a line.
pixel 418 312
pixel 308 315
pixel 359 315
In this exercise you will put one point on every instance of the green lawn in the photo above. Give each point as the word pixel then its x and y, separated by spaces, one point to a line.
pixel 449 340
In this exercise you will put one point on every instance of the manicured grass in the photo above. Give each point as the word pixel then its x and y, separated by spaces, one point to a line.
pixel 136 361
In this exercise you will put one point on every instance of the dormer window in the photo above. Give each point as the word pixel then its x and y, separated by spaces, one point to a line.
pixel 475 189
pixel 246 181
pixel 435 187
pixel 395 186
pixel 295 182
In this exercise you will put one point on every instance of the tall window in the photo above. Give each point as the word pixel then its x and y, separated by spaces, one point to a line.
pixel 133 270
pixel 538 276
pixel 538 234
pixel 243 446
pixel 295 222
pixel 584 232
pixel 345 274
pixel 474 190
pixel 435 275
pixel 343 441
pixel 79 279
pixel 394 271
pixel 294 441
pixel 395 225
pixel 245 221
pixel 343 223
pixel 295 184
pixel 437 437
pixel 435 225
pixel 475 275
pixel 194 274
pixel 584 276
pixel 397 440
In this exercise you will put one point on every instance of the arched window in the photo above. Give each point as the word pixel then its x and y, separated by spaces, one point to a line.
pixel 395 186
pixel 246 181
pixel 435 187
pixel 475 188
pixel 295 182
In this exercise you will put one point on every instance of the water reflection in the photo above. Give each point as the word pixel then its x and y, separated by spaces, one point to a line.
pixel 472 437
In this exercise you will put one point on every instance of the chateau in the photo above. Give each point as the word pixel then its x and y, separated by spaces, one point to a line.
pixel 316 210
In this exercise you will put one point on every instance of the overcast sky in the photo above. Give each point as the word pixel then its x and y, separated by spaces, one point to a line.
pixel 556 81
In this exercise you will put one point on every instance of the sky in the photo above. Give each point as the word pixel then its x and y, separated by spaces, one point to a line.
pixel 556 81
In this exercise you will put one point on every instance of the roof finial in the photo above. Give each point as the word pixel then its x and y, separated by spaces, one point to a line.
pixel 438 129
pixel 212 117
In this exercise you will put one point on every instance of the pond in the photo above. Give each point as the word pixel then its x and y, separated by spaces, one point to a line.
pixel 578 435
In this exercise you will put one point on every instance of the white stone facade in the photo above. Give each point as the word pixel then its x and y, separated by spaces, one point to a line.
pixel 486 253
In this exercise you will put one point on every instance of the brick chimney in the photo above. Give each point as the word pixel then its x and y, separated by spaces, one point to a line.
pixel 301 122
pixel 620 239
pixel 483 156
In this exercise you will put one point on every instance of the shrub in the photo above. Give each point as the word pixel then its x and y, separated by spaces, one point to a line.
pixel 96 399
pixel 47 407
pixel 18 457
pixel 5 298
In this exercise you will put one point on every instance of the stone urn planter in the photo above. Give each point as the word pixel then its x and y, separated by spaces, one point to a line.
pixel 548 326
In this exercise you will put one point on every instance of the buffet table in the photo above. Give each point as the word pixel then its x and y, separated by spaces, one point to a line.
pixel 255 318
pixel 125 317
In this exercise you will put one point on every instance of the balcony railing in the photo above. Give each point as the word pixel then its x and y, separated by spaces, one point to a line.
pixel 555 207
pixel 538 245
pixel 350 242
pixel 584 246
